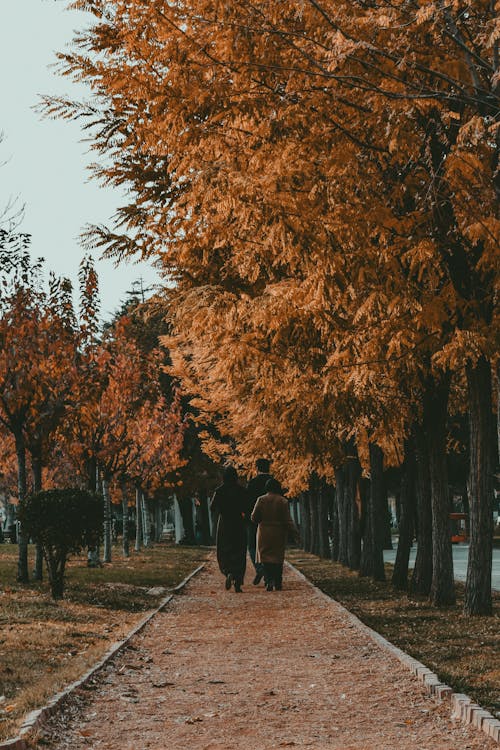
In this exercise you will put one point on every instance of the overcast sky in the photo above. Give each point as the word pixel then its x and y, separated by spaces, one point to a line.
pixel 46 160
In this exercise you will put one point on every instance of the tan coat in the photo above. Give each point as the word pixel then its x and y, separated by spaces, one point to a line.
pixel 272 514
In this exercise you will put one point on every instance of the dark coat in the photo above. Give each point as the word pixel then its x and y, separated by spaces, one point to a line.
pixel 272 515
pixel 229 503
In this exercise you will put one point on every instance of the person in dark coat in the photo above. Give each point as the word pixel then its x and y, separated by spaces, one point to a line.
pixel 256 487
pixel 229 503
pixel 272 515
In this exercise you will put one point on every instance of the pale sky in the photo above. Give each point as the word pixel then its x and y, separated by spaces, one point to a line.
pixel 46 160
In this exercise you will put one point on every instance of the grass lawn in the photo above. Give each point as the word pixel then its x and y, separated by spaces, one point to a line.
pixel 463 651
pixel 45 645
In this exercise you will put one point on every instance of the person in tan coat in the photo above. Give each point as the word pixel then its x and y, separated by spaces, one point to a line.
pixel 272 514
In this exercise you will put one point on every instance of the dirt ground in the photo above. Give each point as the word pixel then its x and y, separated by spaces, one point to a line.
pixel 220 671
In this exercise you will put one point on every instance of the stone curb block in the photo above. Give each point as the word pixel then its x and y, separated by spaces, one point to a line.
pixel 463 709
pixel 35 719
pixel 494 729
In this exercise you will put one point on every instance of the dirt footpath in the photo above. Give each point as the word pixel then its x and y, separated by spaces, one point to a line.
pixel 221 671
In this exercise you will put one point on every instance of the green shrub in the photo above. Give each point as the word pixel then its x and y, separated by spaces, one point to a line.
pixel 63 522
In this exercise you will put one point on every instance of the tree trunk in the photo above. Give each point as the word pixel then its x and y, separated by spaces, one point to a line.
pixel 56 567
pixel 478 583
pixel 435 413
pixel 422 571
pixel 305 527
pixel 186 509
pixel 158 520
pixel 353 509
pixel 107 520
pixel 205 517
pixel 125 518
pixel 334 515
pixel 406 516
pixel 138 519
pixel 93 553
pixel 22 560
pixel 145 520
pixel 324 540
pixel 385 519
pixel 498 409
pixel 341 493
pixel 314 514
pixel 36 468
pixel 372 558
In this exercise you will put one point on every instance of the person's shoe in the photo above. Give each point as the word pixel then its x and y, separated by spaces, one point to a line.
pixel 279 587
pixel 269 587
pixel 257 579
pixel 229 582
pixel 237 588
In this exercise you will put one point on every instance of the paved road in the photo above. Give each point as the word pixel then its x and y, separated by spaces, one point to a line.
pixel 460 555
pixel 218 670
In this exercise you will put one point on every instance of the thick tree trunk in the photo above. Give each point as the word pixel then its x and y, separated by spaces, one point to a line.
pixel 138 519
pixel 341 492
pixel 36 468
pixel 478 583
pixel 22 560
pixel 406 516
pixel 435 413
pixel 56 568
pixel 422 571
pixel 372 558
pixel 125 519
pixel 107 520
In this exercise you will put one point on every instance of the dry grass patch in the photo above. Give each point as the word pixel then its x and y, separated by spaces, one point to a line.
pixel 463 651
pixel 46 645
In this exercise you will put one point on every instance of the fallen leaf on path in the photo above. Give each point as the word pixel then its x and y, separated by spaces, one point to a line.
pixel 161 681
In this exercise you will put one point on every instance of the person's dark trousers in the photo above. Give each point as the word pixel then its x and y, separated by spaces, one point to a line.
pixel 273 575
pixel 252 548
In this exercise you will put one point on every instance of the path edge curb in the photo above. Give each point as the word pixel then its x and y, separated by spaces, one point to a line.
pixel 462 707
pixel 35 719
